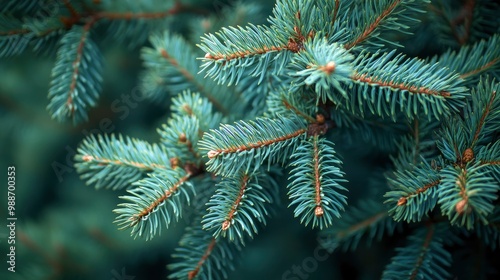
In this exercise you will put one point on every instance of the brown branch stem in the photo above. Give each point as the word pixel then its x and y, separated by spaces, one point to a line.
pixel 168 193
pixel 425 245
pixel 363 224
pixel 104 161
pixel 401 86
pixel 259 144
pixel 482 120
pixel 192 274
pixel 230 216
pixel 192 80
pixel 404 199
pixel 317 179
pixel 480 69
pixel 369 30
pixel 296 110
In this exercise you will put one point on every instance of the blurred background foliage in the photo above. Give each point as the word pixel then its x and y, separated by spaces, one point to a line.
pixel 65 229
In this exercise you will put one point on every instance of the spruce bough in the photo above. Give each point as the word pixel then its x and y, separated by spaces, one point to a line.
pixel 276 99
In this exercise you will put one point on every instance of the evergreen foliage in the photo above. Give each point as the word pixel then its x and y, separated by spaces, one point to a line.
pixel 202 256
pixel 154 202
pixel 238 202
pixel 314 183
pixel 246 145
pixel 76 76
pixel 255 102
pixel 368 220
pixel 79 66
pixel 424 257
pixel 330 78
pixel 115 163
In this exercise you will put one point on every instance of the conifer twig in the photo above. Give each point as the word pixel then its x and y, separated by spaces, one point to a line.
pixel 375 23
pixel 193 273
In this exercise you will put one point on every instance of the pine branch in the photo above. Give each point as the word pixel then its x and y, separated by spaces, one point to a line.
pixel 115 163
pixel 16 35
pixel 335 20
pixel 180 138
pixel 484 116
pixel 192 104
pixel 369 129
pixel 474 60
pixel 315 183
pixel 47 34
pixel 336 11
pixel 414 192
pixel 175 61
pixel 452 142
pixel 418 144
pixel 323 71
pixel 489 157
pixel 296 20
pixel 490 154
pixel 246 145
pixel 460 138
pixel 407 85
pixel 372 18
pixel 327 67
pixel 155 202
pixel 483 113
pixel 422 258
pixel 368 220
pixel 467 22
pixel 76 83
pixel 258 49
pixel 302 20
pixel 286 103
pixel 467 194
pixel 14 38
pixel 240 203
pixel 255 93
pixel 201 256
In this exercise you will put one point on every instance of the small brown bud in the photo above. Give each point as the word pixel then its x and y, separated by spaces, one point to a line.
pixel 212 154
pixel 402 201
pixel 182 138
pixel 87 158
pixel 460 207
pixel 192 169
pixel 174 162
pixel 293 46
pixel 330 67
pixel 208 56
pixel 297 15
pixel 318 211
pixel 226 224
pixel 468 155
pixel 320 118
